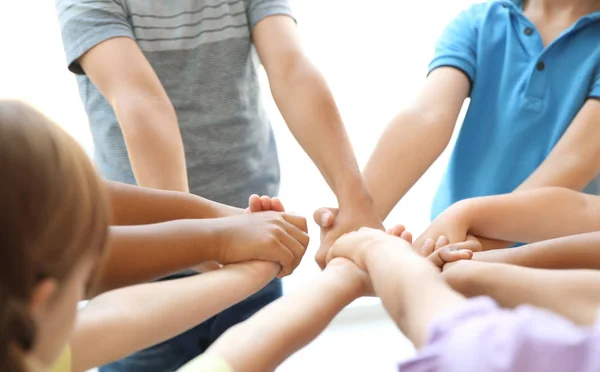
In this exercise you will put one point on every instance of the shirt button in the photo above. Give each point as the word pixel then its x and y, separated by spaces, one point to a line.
pixel 528 31
pixel 540 66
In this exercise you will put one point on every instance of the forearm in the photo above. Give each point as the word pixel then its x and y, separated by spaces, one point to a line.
pixel 140 254
pixel 308 107
pixel 121 322
pixel 285 326
pixel 534 215
pixel 574 294
pixel 133 205
pixel 153 140
pixel 571 252
pixel 412 291
pixel 406 149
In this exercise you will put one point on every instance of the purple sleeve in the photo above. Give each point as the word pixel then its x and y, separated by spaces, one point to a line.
pixel 479 336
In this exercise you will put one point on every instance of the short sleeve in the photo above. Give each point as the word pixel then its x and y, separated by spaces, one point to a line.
pixel 483 337
pixel 595 90
pixel 86 23
pixel 206 363
pixel 259 9
pixel 457 47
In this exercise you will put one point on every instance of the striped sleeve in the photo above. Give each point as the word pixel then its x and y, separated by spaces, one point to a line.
pixel 457 47
pixel 260 9
pixel 86 23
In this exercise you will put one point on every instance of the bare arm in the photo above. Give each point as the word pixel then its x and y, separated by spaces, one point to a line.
pixel 571 252
pixel 528 216
pixel 147 118
pixel 568 164
pixel 574 294
pixel 285 326
pixel 124 321
pixel 425 128
pixel 308 107
pixel 133 205
pixel 142 253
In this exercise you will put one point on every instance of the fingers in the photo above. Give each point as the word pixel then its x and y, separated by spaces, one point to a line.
pixel 298 221
pixel 427 249
pixel 448 254
pixel 254 204
pixel 265 202
pixel 407 236
pixel 321 257
pixel 400 232
pixel 296 249
pixel 324 217
pixel 277 205
pixel 472 245
pixel 397 230
pixel 441 242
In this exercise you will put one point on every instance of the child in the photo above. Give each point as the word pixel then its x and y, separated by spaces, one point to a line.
pixel 532 72
pixel 453 334
pixel 55 233
pixel 563 224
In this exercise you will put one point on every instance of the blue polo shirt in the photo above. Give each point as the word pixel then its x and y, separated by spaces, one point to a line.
pixel 523 95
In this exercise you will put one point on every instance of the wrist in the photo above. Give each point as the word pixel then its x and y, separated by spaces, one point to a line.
pixel 354 195
pixel 343 279
pixel 207 237
pixel 464 212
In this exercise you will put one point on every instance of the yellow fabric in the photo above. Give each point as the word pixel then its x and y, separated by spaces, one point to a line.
pixel 63 364
pixel 206 363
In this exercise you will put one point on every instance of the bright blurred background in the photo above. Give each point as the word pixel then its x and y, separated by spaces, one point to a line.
pixel 373 54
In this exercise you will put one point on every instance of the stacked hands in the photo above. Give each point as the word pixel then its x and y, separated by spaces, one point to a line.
pixel 266 232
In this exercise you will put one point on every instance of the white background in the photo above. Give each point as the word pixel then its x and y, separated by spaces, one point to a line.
pixel 374 54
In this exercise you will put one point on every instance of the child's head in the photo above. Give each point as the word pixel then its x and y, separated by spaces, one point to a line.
pixel 53 227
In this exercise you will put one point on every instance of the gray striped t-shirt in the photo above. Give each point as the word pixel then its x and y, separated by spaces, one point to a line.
pixel 202 53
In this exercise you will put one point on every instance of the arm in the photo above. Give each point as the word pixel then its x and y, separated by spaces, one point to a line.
pixel 285 326
pixel 568 164
pixel 118 68
pixel 527 216
pixel 122 322
pixel 133 205
pixel 394 268
pixel 571 252
pixel 308 107
pixel 424 128
pixel 142 253
pixel 574 294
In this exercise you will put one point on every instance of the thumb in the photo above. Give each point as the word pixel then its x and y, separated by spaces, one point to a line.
pixel 324 217
pixel 451 254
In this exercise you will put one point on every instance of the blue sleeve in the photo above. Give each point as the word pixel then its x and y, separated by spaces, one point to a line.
pixel 457 47
pixel 595 90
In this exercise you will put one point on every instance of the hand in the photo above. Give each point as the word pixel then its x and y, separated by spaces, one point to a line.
pixel 462 275
pixel 267 236
pixel 355 246
pixel 444 253
pixel 452 223
pixel 335 223
pixel 263 204
pixel 352 276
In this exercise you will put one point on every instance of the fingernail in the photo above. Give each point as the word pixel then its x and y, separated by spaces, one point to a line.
pixel 441 239
pixel 428 243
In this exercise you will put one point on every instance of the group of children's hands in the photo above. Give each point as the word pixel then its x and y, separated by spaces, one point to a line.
pixel 265 231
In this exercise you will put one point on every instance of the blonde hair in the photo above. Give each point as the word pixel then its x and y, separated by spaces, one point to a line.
pixel 53 211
